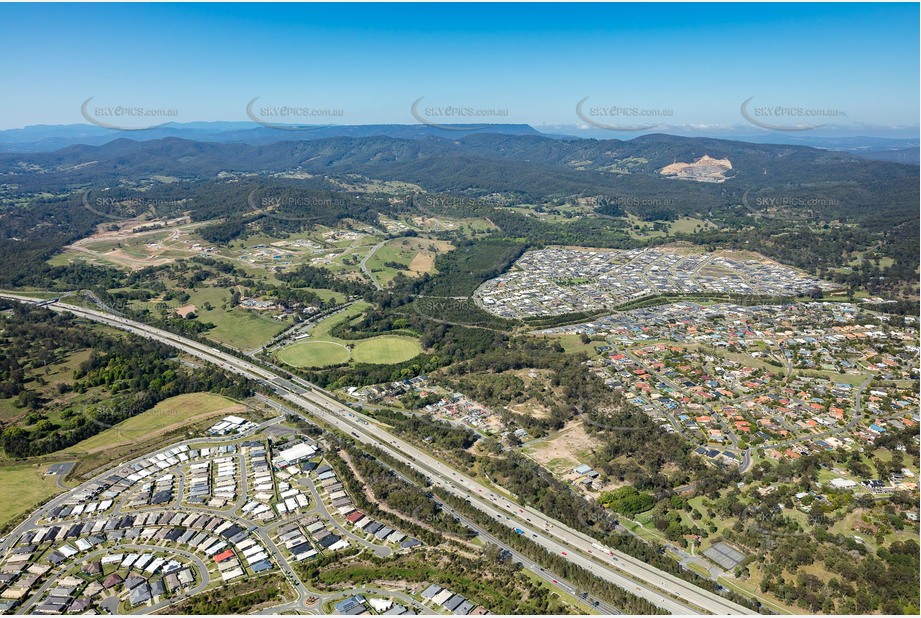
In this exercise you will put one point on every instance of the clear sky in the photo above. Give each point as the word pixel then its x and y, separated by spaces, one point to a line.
pixel 537 61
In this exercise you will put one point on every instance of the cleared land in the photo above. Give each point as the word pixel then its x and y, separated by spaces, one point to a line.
pixel 137 244
pixel 234 326
pixel 167 416
pixel 410 256
pixel 564 450
pixel 23 487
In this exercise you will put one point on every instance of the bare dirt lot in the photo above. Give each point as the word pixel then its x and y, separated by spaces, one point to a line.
pixel 422 263
pixel 563 451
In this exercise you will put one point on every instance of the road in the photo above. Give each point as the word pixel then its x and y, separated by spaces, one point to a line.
pixel 662 589
pixel 364 264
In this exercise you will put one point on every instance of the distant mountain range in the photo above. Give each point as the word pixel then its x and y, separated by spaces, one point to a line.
pixel 529 166
pixel 48 138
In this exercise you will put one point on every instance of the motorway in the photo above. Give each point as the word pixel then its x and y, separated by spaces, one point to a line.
pixel 662 589
pixel 526 563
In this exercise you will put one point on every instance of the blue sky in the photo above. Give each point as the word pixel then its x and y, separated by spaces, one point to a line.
pixel 536 61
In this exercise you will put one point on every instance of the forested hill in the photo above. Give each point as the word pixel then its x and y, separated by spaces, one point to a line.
pixel 519 167
pixel 790 199
pixel 646 154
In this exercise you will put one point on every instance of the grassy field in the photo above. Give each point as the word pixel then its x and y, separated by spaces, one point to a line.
pixel 321 330
pixel 854 379
pixel 687 225
pixel 56 403
pixel 237 327
pixel 414 255
pixel 323 349
pixel 171 419
pixel 313 353
pixel 166 416
pixel 23 487
pixel 572 344
pixel 133 246
pixel 386 350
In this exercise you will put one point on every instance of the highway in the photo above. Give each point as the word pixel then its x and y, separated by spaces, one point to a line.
pixel 662 589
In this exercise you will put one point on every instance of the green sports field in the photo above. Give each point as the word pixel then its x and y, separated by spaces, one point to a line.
pixel 314 354
pixel 386 350
pixel 383 350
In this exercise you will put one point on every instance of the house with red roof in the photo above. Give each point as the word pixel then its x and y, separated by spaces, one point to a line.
pixel 354 516
pixel 224 555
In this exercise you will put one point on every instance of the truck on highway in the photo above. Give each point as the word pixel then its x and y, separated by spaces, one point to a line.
pixel 603 548
pixel 519 531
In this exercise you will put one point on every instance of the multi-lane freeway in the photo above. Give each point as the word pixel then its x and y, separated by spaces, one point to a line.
pixel 662 589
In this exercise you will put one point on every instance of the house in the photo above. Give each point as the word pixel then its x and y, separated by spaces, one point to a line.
pixel 112 580
pixel 354 516
pixel 442 597
pixel 186 577
pixel 224 555
pixel 157 588
pixel 396 610
pixel 454 602
pixel 349 604
pixel 139 594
